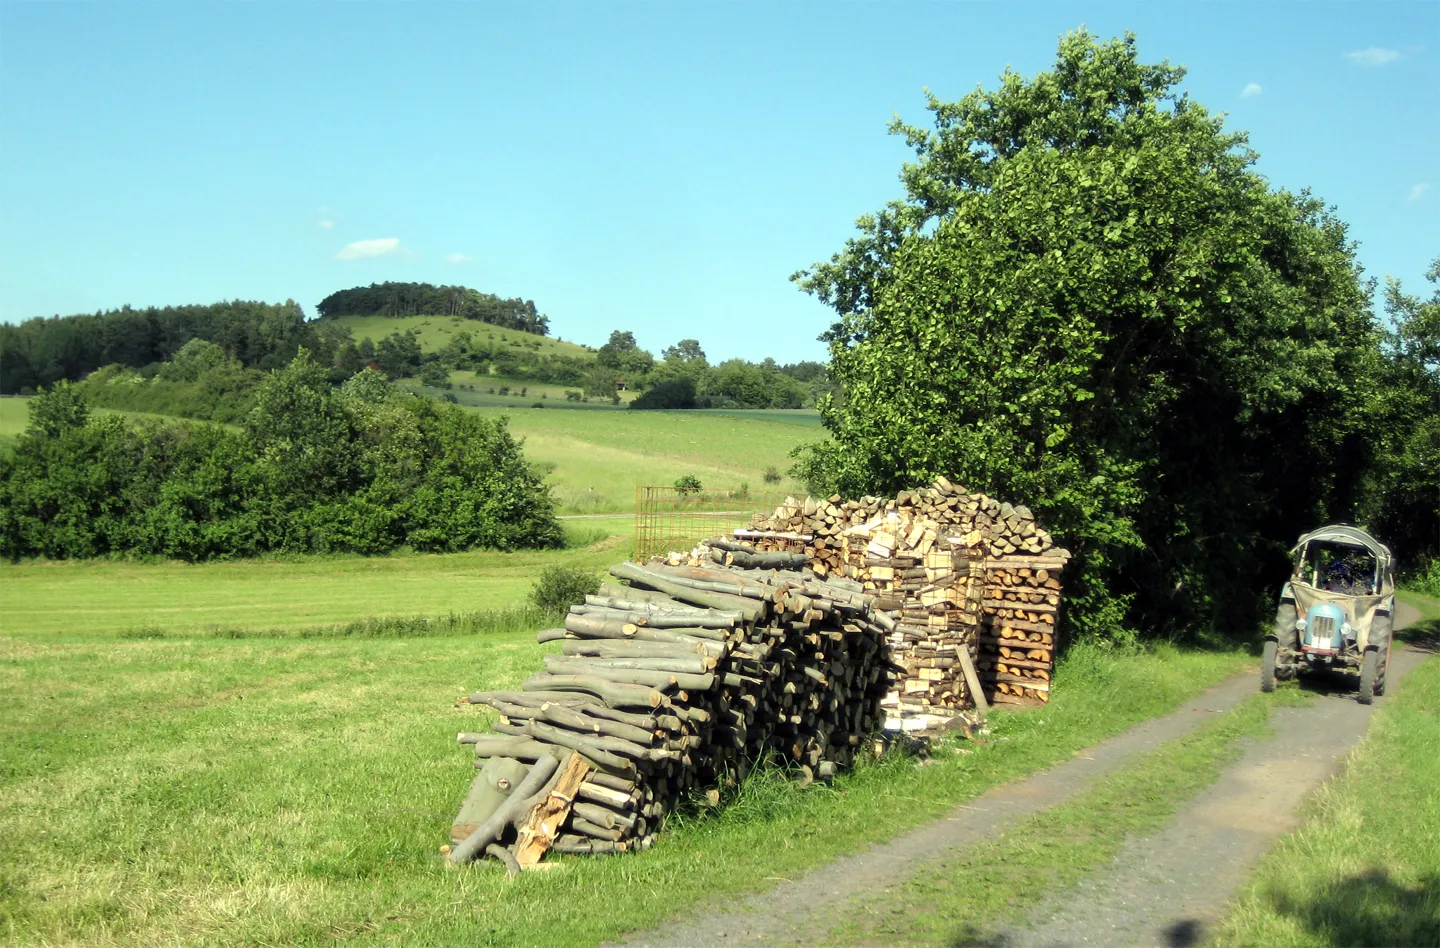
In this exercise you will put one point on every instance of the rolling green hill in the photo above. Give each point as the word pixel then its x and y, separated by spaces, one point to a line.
pixel 435 331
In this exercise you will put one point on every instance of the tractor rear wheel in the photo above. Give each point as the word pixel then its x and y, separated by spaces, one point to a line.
pixel 1267 666
pixel 1380 633
pixel 1368 671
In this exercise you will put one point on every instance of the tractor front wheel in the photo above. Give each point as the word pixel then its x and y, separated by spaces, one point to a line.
pixel 1267 667
pixel 1369 666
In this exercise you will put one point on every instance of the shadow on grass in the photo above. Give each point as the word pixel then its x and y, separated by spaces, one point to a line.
pixel 1423 636
pixel 1367 909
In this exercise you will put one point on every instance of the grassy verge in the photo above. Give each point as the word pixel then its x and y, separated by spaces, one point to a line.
pixel 962 900
pixel 296 792
pixel 1365 868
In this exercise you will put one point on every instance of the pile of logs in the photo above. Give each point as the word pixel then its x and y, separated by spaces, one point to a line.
pixel 962 576
pixel 669 687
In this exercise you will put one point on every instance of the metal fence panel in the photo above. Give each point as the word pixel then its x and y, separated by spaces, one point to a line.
pixel 669 519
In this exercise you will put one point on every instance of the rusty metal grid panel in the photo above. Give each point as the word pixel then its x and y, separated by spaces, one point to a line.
pixel 669 519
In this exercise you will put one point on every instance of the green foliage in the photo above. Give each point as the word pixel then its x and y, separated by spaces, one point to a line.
pixel 364 470
pixel 1402 501
pixel 40 352
pixel 59 410
pixel 1118 323
pixel 772 475
pixel 201 384
pixel 560 587
pixel 412 299
pixel 399 354
pixel 435 375
pixel 675 393
pixel 688 484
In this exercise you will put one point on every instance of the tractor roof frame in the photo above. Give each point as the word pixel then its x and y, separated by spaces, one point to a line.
pixel 1345 535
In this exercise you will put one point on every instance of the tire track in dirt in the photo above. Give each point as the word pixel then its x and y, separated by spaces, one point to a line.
pixel 1186 873
pixel 1168 887
pixel 779 915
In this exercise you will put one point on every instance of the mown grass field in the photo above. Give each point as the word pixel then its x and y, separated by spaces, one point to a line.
pixel 435 331
pixel 1365 867
pixel 274 791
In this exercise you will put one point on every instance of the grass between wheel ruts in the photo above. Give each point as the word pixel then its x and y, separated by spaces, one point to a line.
pixel 297 792
pixel 966 898
pixel 1364 869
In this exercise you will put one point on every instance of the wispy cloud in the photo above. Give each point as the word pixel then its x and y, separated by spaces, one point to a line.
pixel 1251 90
pixel 326 224
pixel 379 247
pixel 1418 191
pixel 458 258
pixel 1373 56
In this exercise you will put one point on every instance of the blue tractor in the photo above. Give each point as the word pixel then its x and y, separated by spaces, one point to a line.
pixel 1335 612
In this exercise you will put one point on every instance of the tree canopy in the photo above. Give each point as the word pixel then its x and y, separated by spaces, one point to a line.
pixel 426 299
pixel 1089 300
pixel 44 351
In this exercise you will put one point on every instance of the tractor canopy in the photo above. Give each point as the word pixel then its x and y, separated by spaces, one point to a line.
pixel 1347 568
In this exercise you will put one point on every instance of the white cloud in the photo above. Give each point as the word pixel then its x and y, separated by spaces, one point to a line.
pixel 458 258
pixel 1251 89
pixel 325 224
pixel 1373 56
pixel 1417 192
pixel 361 249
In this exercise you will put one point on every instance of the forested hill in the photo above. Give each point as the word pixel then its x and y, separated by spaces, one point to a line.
pixel 425 299
pixel 45 350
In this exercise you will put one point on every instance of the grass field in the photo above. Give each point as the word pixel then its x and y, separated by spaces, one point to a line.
pixel 595 459
pixel 600 457
pixel 158 792
pixel 84 598
pixel 1365 868
pixel 435 331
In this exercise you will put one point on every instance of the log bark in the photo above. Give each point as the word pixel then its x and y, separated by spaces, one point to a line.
pixel 495 824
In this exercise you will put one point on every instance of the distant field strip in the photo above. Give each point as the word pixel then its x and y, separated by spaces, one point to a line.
pixel 109 598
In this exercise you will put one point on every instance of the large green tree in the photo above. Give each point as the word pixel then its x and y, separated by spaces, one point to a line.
pixel 1090 302
pixel 1403 496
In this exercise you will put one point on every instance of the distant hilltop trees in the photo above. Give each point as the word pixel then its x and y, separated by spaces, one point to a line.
pixel 43 351
pixel 425 299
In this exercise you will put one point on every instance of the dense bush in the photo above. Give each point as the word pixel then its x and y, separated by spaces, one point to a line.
pixel 560 587
pixel 1116 320
pixel 198 383
pixel 676 393
pixel 366 469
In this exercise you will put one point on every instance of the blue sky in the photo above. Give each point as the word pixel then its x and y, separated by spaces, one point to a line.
pixel 655 167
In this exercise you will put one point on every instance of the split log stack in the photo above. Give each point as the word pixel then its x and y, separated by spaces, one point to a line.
pixel 957 572
pixel 673 685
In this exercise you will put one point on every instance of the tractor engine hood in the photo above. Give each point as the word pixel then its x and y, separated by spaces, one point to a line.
pixel 1359 611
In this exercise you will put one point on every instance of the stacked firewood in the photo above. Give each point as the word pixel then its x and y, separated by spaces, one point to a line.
pixel 668 687
pixel 956 571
